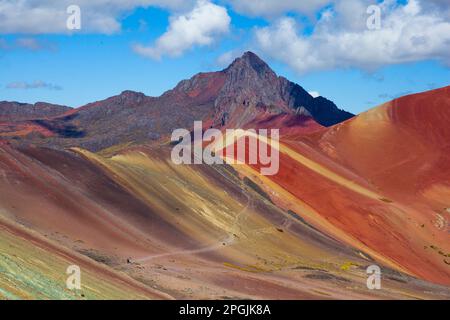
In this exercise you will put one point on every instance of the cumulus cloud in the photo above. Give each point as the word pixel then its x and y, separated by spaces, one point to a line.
pixel 314 94
pixel 439 5
pixel 34 44
pixel 198 27
pixel 27 43
pixel 341 39
pixel 38 84
pixel 47 16
pixel 271 8
pixel 226 58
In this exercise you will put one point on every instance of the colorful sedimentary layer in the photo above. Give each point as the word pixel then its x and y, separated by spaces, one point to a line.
pixel 96 187
pixel 221 231
pixel 378 182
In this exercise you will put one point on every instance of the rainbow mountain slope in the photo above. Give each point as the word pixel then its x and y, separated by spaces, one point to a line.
pixel 96 187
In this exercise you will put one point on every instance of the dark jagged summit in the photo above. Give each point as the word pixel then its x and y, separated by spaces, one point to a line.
pixel 249 60
pixel 245 91
pixel 251 83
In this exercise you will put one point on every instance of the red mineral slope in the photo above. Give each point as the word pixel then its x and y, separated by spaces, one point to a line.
pixel 401 147
pixel 379 182
pixel 23 120
pixel 188 231
pixel 402 150
pixel 22 129
pixel 288 124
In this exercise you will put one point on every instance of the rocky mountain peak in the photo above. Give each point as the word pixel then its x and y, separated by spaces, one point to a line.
pixel 245 92
pixel 249 61
pixel 251 86
pixel 131 96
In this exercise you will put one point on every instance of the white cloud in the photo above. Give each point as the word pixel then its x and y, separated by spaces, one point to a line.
pixel 38 84
pixel 440 5
pixel 199 27
pixel 271 8
pixel 409 33
pixel 27 43
pixel 34 44
pixel 49 16
pixel 228 57
pixel 314 94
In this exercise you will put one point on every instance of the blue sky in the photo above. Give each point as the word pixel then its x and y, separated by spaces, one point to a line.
pixel 308 45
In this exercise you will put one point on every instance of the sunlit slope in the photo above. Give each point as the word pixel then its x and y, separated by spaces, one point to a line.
pixel 65 196
pixel 231 224
pixel 140 207
pixel 181 231
pixel 402 149
pixel 379 182
pixel 33 268
pixel 217 215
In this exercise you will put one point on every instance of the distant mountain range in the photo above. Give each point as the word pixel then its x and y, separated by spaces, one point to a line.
pixel 234 97
pixel 15 111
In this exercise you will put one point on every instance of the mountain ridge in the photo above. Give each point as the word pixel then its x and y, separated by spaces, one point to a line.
pixel 372 190
pixel 232 97
pixel 15 111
